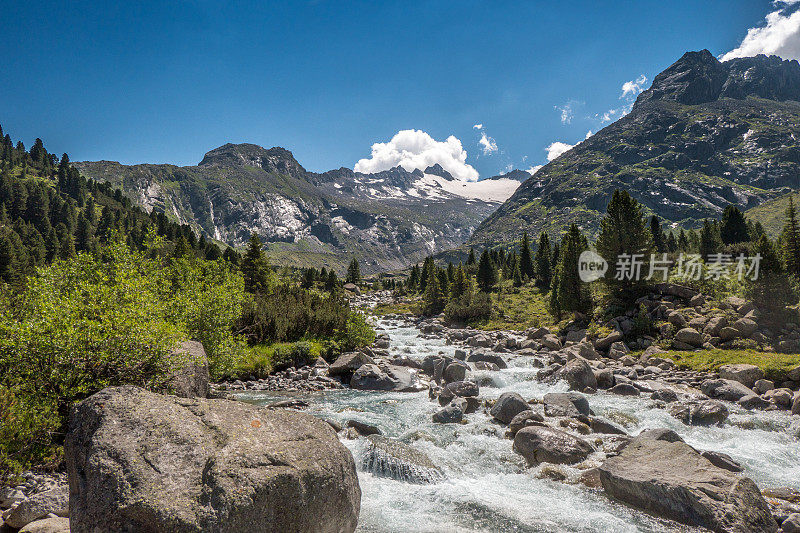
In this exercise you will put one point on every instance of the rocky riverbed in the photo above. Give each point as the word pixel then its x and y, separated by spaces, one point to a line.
pixel 531 431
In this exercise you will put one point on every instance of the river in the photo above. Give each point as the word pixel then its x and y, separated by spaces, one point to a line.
pixel 488 487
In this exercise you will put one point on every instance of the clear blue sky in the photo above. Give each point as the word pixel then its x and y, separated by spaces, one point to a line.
pixel 167 81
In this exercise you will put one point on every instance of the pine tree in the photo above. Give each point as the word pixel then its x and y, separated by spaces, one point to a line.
pixel 354 272
pixel 487 273
pixel 544 262
pixel 425 273
pixel 309 275
pixel 624 232
pixel 733 228
pixel 332 282
pixel 460 283
pixel 659 243
pixel 773 291
pixel 182 248
pixel 683 242
pixel 471 257
pixel 525 261
pixel 790 238
pixel 66 247
pixel 255 267
pixel 569 293
pixel 671 243
pixel 516 276
pixel 9 268
pixel 434 299
pixel 83 234
pixel 709 242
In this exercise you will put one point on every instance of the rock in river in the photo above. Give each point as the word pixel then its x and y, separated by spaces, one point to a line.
pixel 539 444
pixel 139 461
pixel 673 480
pixel 385 378
pixel 507 406
pixel 391 458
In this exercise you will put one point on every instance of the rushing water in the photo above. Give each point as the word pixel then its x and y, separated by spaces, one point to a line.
pixel 487 486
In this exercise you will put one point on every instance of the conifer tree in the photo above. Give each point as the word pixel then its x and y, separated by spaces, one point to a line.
pixel 460 283
pixel 471 258
pixel 354 272
pixel 525 260
pixel 568 292
pixel 332 282
pixel 255 267
pixel 544 262
pixel 683 242
pixel 733 227
pixel 516 276
pixel 659 243
pixel 709 243
pixel 487 273
pixel 790 238
pixel 434 299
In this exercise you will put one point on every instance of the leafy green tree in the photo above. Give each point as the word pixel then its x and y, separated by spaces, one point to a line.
pixel 544 262
pixel 624 233
pixel 487 273
pixel 569 293
pixel 354 272
pixel 733 228
pixel 526 266
pixel 258 276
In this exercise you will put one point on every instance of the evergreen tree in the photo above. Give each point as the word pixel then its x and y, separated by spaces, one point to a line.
pixel 516 276
pixel 709 242
pixel 434 299
pixel 255 267
pixel 9 269
pixel 460 284
pixel 487 273
pixel 772 292
pixel 83 234
pixel 544 262
pixel 671 243
pixel 624 232
pixel 332 282
pixel 733 228
pixel 182 248
pixel 569 293
pixel 425 273
pixel 790 239
pixel 354 272
pixel 525 261
pixel 659 243
pixel 471 258
pixel 309 276
pixel 683 242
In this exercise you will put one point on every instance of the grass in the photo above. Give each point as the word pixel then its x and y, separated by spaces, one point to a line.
pixel 774 365
pixel 517 309
pixel 396 308
pixel 261 360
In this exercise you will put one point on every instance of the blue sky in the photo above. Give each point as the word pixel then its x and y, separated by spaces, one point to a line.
pixel 167 81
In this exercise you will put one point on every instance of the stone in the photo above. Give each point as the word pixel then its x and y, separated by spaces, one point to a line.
pixel 455 372
pixel 618 350
pixel 385 457
pixel 363 428
pixel 605 378
pixel 676 319
pixel 139 461
pixel 485 365
pixel 41 504
pixel 460 354
pixel 458 389
pixel 722 460
pixel 735 302
pixel 347 363
pixel 451 414
pixel 782 397
pixel 537 333
pixel 715 325
pixel 538 444
pixel 763 385
pixel 507 406
pixel 570 404
pixel 794 374
pixel 551 341
pixel 48 525
pixel 385 378
pixel 601 425
pixel 606 342
pixel 474 357
pixel 665 395
pixel 725 389
pixel 480 341
pixel 689 336
pixel 791 524
pixel 582 349
pixel 664 434
pixel 753 401
pixel 190 379
pixel 728 334
pixel 796 405
pixel 671 289
pixel 578 374
pixel 699 413
pixel 746 327
pixel 672 480
pixel 624 389
pixel 575 335
pixel 524 419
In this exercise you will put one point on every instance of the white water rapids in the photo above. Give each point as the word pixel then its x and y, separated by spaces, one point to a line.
pixel 487 486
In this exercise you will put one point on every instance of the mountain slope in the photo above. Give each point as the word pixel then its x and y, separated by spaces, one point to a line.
pixel 387 219
pixel 704 135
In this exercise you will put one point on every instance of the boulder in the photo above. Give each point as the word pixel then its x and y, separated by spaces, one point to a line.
pixel 551 341
pixel 794 374
pixel 728 334
pixel 347 363
pixel 570 404
pixel 458 389
pixel 664 434
pixel 507 406
pixel 40 505
pixel 796 405
pixel 725 389
pixel 605 378
pixel 474 357
pixel 578 374
pixel 699 413
pixel 753 401
pixel 722 460
pixel 537 333
pixel 763 385
pixel 689 336
pixel 48 525
pixel 450 414
pixel 676 319
pixel 601 425
pixel 190 378
pixel 618 350
pixel 672 480
pixel 746 326
pixel 385 457
pixel 524 419
pixel 665 395
pixel 538 444
pixel 581 349
pixel 485 365
pixel 671 289
pixel 456 371
pixel 385 378
pixel 624 389
pixel 715 325
pixel 139 461
pixel 606 342
pixel 791 524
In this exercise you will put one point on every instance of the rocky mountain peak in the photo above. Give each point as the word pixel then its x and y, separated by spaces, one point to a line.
pixel 437 170
pixel 276 159
pixel 699 77
pixel 516 174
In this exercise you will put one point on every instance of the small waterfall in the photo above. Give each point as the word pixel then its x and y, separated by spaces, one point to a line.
pixel 385 457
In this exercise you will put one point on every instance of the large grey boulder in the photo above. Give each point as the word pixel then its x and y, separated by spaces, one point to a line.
pixel 47 525
pixel 507 406
pixel 699 413
pixel 539 444
pixel 725 389
pixel 487 357
pixel 672 480
pixel 458 389
pixel 796 405
pixel 689 336
pixel 571 404
pixel 745 374
pixel 385 378
pixel 139 461
pixel 190 377
pixel 55 501
pixel 578 374
pixel 385 457
pixel 347 363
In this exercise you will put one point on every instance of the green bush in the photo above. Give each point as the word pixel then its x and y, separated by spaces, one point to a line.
pixel 356 333
pixel 467 308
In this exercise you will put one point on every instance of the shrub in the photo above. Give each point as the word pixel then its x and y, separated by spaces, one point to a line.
pixel 467 308
pixel 356 333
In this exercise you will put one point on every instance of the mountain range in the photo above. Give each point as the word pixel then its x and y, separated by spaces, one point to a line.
pixel 705 134
pixel 387 219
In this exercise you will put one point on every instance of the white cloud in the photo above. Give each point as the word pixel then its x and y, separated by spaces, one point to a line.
pixel 534 169
pixel 567 112
pixel 779 36
pixel 590 132
pixel 415 149
pixel 488 144
pixel 632 88
pixel 480 126
pixel 556 149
